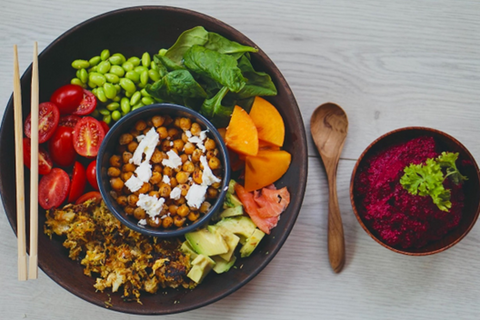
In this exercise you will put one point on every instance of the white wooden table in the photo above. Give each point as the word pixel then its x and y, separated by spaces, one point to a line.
pixel 389 64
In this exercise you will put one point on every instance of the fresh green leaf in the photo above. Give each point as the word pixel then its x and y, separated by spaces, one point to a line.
pixel 165 64
pixel 221 44
pixel 257 83
pixel 189 38
pixel 447 160
pixel 211 64
pixel 213 109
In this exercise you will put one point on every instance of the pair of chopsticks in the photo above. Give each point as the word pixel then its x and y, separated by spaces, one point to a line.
pixel 20 188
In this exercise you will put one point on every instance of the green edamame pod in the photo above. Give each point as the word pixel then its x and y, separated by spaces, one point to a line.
pixel 145 93
pixel 116 115
pixel 101 95
pixel 134 60
pixel 146 59
pixel 105 54
pixel 117 59
pixel 135 98
pixel 78 82
pixel 79 64
pixel 117 70
pixel 94 61
pixel 144 77
pixel 112 78
pixel 110 91
pixel 103 67
pixel 147 100
pixel 128 66
pixel 138 105
pixel 107 119
pixel 154 75
pixel 103 112
pixel 140 69
pixel 83 75
pixel 153 65
pixel 132 75
pixel 125 105
pixel 128 85
pixel 97 78
pixel 113 106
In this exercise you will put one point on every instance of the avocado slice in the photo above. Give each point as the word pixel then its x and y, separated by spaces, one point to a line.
pixel 201 266
pixel 230 238
pixel 221 265
pixel 251 243
pixel 204 242
pixel 242 226
pixel 231 200
pixel 232 212
pixel 187 249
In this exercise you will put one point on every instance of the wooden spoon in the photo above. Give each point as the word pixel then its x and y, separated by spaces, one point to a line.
pixel 329 126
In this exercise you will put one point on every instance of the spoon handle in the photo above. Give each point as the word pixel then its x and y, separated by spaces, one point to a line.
pixel 336 242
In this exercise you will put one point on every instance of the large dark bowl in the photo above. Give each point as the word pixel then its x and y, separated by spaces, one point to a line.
pixel 471 187
pixel 109 147
pixel 133 31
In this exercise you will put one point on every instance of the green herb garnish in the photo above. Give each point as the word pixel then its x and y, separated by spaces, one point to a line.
pixel 427 179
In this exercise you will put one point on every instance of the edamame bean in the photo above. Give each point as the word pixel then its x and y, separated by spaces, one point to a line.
pixel 91 84
pixel 138 105
pixel 105 54
pixel 79 64
pixel 94 61
pixel 110 91
pixel 135 98
pixel 103 112
pixel 117 59
pixel 103 67
pixel 94 91
pixel 117 70
pixel 154 75
pixel 129 94
pixel 116 99
pixel 112 78
pixel 101 95
pixel 132 75
pixel 128 85
pixel 125 105
pixel 128 66
pixel 93 69
pixel 140 69
pixel 117 87
pixel 107 119
pixel 147 100
pixel 143 77
pixel 153 65
pixel 78 82
pixel 116 115
pixel 97 78
pixel 113 106
pixel 134 60
pixel 146 59
pixel 162 52
pixel 145 93
pixel 83 75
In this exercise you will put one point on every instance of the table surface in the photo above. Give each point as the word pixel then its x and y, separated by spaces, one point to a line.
pixel 389 64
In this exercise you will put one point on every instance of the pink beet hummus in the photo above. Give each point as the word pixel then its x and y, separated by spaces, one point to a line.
pixel 399 218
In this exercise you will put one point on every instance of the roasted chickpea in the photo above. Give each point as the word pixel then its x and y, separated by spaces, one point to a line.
pixel 155 194
pixel 125 139
pixel 188 148
pixel 167 145
pixel 157 121
pixel 157 156
pixel 132 200
pixel 162 133
pixel 168 121
pixel 146 187
pixel 167 222
pixel 155 222
pixel 129 210
pixel 193 216
pixel 113 172
pixel 157 168
pixel 195 129
pixel 210 144
pixel 183 210
pixel 172 209
pixel 132 146
pixel 115 161
pixel 205 207
pixel 117 184
pixel 184 137
pixel 214 163
pixel 176 122
pixel 180 201
pixel 129 167
pixel 127 175
pixel 188 166
pixel 184 188
pixel 174 133
pixel 182 177
pixel 197 176
pixel 184 157
pixel 140 125
pixel 126 156
pixel 164 190
pixel 178 221
pixel 122 200
pixel 178 144
pixel 139 213
pixel 185 124
pixel 212 193
pixel 173 182
pixel 156 177
pixel 168 171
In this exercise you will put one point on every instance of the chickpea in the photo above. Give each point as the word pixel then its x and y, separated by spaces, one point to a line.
pixel 129 167
pixel 134 132
pixel 216 185
pixel 149 123
pixel 157 121
pixel 116 183
pixel 193 216
pixel 180 201
pixel 132 146
pixel 164 190
pixel 156 177
pixel 113 172
pixel 146 187
pixel 126 156
pixel 178 221
pixel 188 148
pixel 115 161
pixel 154 223
pixel 188 166
pixel 185 124
pixel 184 157
pixel 210 154
pixel 195 129
pixel 197 153
pixel 127 175
pixel 168 120
pixel 158 156
pixel 155 194
pixel 129 210
pixel 132 200
pixel 167 145
pixel 210 144
pixel 178 144
pixel 184 137
pixel 140 125
pixel 114 194
pixel 167 222
pixel 172 209
pixel 173 182
pixel 139 213
pixel 184 188
pixel 125 139
pixel 168 171
pixel 174 133
pixel 205 207
pixel 197 176
pixel 183 210
pixel 146 130
pixel 157 168
pixel 176 122
pixel 182 177
pixel 162 133
pixel 122 200
pixel 214 163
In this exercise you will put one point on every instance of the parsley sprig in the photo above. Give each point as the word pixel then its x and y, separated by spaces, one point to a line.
pixel 427 179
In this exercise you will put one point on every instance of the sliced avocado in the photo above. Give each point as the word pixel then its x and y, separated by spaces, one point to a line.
pixel 206 243
pixel 201 266
pixel 231 186
pixel 251 243
pixel 187 249
pixel 230 238
pixel 242 226
pixel 231 200
pixel 221 265
pixel 232 212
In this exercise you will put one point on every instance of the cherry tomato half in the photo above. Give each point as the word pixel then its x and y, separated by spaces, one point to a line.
pixel 61 148
pixel 87 105
pixel 88 135
pixel 44 160
pixel 67 98
pixel 89 195
pixel 48 117
pixel 104 125
pixel 53 189
pixel 92 174
pixel 79 181
pixel 69 120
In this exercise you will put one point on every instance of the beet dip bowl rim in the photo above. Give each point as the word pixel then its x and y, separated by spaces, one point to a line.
pixel 107 149
pixel 470 211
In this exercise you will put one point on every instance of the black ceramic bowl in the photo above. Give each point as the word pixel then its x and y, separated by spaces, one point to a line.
pixel 109 147
pixel 133 31
pixel 471 187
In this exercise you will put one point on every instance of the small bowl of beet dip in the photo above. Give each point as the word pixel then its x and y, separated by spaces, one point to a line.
pixel 386 205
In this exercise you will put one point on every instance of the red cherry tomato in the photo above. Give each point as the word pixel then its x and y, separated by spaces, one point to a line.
pixel 69 120
pixel 88 135
pixel 89 195
pixel 53 189
pixel 48 117
pixel 104 126
pixel 87 105
pixel 44 160
pixel 61 148
pixel 67 98
pixel 79 181
pixel 92 174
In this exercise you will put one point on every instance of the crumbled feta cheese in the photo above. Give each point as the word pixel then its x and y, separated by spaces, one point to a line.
pixel 166 179
pixel 173 161
pixel 146 146
pixel 142 222
pixel 208 178
pixel 152 205
pixel 140 137
pixel 134 184
pixel 175 193
pixel 188 133
pixel 144 171
pixel 203 135
pixel 198 142
pixel 196 195
pixel 171 143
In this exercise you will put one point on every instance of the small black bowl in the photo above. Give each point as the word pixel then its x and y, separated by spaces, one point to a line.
pixel 108 147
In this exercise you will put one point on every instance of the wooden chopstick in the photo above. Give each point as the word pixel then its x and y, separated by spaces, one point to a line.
pixel 33 261
pixel 20 188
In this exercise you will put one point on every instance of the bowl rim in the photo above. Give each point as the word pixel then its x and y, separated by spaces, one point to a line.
pixel 141 113
pixel 373 144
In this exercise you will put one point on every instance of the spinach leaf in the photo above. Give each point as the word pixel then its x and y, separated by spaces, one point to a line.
pixel 165 64
pixel 221 44
pixel 257 83
pixel 214 65
pixel 213 109
pixel 194 36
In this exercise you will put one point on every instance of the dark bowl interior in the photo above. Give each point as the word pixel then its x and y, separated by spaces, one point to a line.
pixel 108 148
pixel 471 187
pixel 133 31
